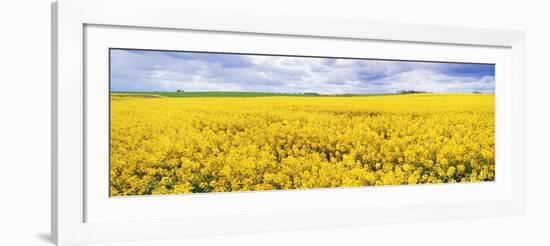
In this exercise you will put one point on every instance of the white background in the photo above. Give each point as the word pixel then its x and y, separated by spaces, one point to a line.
pixel 25 122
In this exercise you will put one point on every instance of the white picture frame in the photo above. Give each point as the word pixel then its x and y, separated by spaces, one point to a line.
pixel 79 216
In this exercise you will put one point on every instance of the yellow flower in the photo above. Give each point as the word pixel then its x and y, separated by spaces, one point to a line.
pixel 187 145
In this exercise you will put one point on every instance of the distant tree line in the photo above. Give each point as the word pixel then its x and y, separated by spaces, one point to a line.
pixel 411 92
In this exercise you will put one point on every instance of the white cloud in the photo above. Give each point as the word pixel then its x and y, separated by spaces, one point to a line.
pixel 169 71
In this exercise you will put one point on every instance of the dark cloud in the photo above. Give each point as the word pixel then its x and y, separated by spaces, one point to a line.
pixel 475 70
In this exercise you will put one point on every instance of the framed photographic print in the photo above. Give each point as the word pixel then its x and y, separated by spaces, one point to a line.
pixel 168 125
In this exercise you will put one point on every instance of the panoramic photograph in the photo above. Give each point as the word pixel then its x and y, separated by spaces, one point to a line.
pixel 199 122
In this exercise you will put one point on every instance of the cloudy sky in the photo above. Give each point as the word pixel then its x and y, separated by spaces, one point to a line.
pixel 138 70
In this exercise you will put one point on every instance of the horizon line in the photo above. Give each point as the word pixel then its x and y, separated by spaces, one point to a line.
pixel 310 92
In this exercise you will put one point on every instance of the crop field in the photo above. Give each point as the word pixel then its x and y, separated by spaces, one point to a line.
pixel 224 94
pixel 163 144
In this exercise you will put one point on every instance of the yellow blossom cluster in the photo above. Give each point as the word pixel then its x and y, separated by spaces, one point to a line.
pixel 219 144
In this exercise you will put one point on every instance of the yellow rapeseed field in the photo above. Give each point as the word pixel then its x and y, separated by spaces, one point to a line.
pixel 163 145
